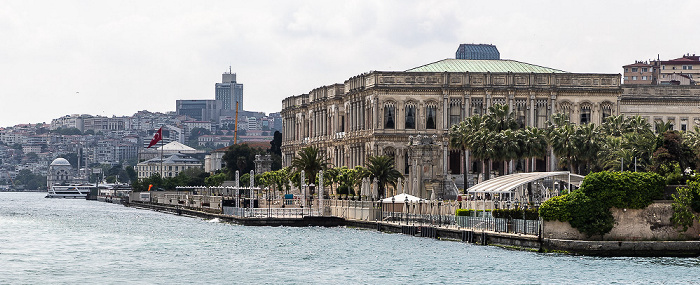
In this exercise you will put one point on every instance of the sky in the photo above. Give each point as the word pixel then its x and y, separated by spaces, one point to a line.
pixel 118 57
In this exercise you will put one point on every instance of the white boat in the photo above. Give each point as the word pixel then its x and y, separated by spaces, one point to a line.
pixel 70 191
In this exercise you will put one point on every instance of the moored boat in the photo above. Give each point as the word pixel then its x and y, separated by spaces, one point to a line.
pixel 70 191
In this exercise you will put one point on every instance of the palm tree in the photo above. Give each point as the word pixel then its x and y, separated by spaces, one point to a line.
pixel 500 118
pixel 563 144
pixel 637 124
pixel 462 137
pixel 587 145
pixel 381 169
pixel 535 144
pixel 311 160
pixel 615 125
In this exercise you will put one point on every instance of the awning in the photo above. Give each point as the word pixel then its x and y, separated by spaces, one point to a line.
pixel 401 198
pixel 506 183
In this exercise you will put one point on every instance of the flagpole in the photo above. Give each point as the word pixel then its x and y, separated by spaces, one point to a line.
pixel 161 153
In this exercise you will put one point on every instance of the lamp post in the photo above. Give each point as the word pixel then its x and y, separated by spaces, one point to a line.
pixel 392 208
pixel 407 209
pixel 311 196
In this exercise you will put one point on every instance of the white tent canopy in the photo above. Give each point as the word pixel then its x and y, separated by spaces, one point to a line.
pixel 401 198
pixel 506 183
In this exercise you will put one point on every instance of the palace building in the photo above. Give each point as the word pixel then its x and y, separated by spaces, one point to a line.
pixel 407 114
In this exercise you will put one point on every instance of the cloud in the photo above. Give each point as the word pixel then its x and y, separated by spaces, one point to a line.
pixel 132 55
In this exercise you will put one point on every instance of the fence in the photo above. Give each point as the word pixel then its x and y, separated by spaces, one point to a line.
pixel 501 225
pixel 270 212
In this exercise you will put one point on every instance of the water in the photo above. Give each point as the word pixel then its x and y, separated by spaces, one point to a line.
pixel 76 241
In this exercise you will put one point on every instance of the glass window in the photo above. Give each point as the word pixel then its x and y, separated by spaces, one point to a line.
pixel 634 69
pixel 455 115
pixel 406 166
pixel 634 77
pixel 410 117
pixel 607 111
pixel 541 116
pixel 585 115
pixel 520 115
pixel 645 69
pixel 430 117
pixel 389 117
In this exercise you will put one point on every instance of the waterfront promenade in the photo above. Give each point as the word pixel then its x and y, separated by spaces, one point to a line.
pixel 431 219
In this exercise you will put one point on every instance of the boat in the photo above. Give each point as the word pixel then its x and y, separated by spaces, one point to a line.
pixel 113 192
pixel 75 191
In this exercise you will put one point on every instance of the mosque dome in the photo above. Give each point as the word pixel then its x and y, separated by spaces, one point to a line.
pixel 60 162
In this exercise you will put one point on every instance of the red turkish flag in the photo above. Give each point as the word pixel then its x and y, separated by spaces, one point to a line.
pixel 156 137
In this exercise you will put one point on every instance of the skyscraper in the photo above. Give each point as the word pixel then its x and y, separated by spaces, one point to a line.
pixel 228 92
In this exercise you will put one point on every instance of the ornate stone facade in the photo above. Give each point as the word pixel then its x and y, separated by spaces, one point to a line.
pixel 677 104
pixel 380 113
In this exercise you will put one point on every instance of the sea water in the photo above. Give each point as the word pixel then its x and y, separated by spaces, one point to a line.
pixel 63 241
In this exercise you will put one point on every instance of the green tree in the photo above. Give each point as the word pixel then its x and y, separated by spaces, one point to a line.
pixel 216 179
pixel 29 180
pixel 131 173
pixel 240 157
pixel 311 161
pixel 381 169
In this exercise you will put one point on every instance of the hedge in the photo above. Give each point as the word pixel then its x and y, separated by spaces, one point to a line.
pixel 588 208
pixel 529 214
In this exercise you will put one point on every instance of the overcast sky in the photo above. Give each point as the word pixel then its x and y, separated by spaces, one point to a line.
pixel 118 57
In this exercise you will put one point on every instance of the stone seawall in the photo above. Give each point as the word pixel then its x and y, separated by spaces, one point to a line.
pixel 652 223
pixel 517 241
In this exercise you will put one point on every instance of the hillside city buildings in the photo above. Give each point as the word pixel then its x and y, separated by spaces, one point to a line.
pixel 122 140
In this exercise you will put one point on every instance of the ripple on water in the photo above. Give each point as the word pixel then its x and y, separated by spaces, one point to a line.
pixel 71 241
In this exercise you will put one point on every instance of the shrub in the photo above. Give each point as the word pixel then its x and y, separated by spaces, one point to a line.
pixel 634 190
pixel 529 214
pixel 555 209
pixel 684 204
pixel 468 212
pixel 464 212
pixel 588 208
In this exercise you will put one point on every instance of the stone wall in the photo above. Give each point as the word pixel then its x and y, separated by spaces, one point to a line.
pixel 652 223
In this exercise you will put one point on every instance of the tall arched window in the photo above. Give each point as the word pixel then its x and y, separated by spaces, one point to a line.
pixel 389 117
pixel 431 117
pixel 455 112
pixel 607 112
pixel 585 114
pixel 410 117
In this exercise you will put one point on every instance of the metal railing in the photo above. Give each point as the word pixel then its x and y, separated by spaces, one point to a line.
pixel 501 225
pixel 270 212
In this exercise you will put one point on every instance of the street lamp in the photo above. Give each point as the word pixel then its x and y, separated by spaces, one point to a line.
pixel 311 195
pixel 406 201
pixel 392 208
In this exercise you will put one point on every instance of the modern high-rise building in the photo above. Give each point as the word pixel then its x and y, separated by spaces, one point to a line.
pixel 229 92
pixel 477 51
pixel 201 110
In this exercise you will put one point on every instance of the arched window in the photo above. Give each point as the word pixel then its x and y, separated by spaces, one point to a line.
pixel 455 112
pixel 389 117
pixel 585 114
pixel 606 112
pixel 410 117
pixel 431 117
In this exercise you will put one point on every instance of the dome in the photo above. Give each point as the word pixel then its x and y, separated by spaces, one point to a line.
pixel 60 161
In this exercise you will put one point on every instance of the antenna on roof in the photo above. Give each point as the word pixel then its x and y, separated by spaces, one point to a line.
pixel 229 70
